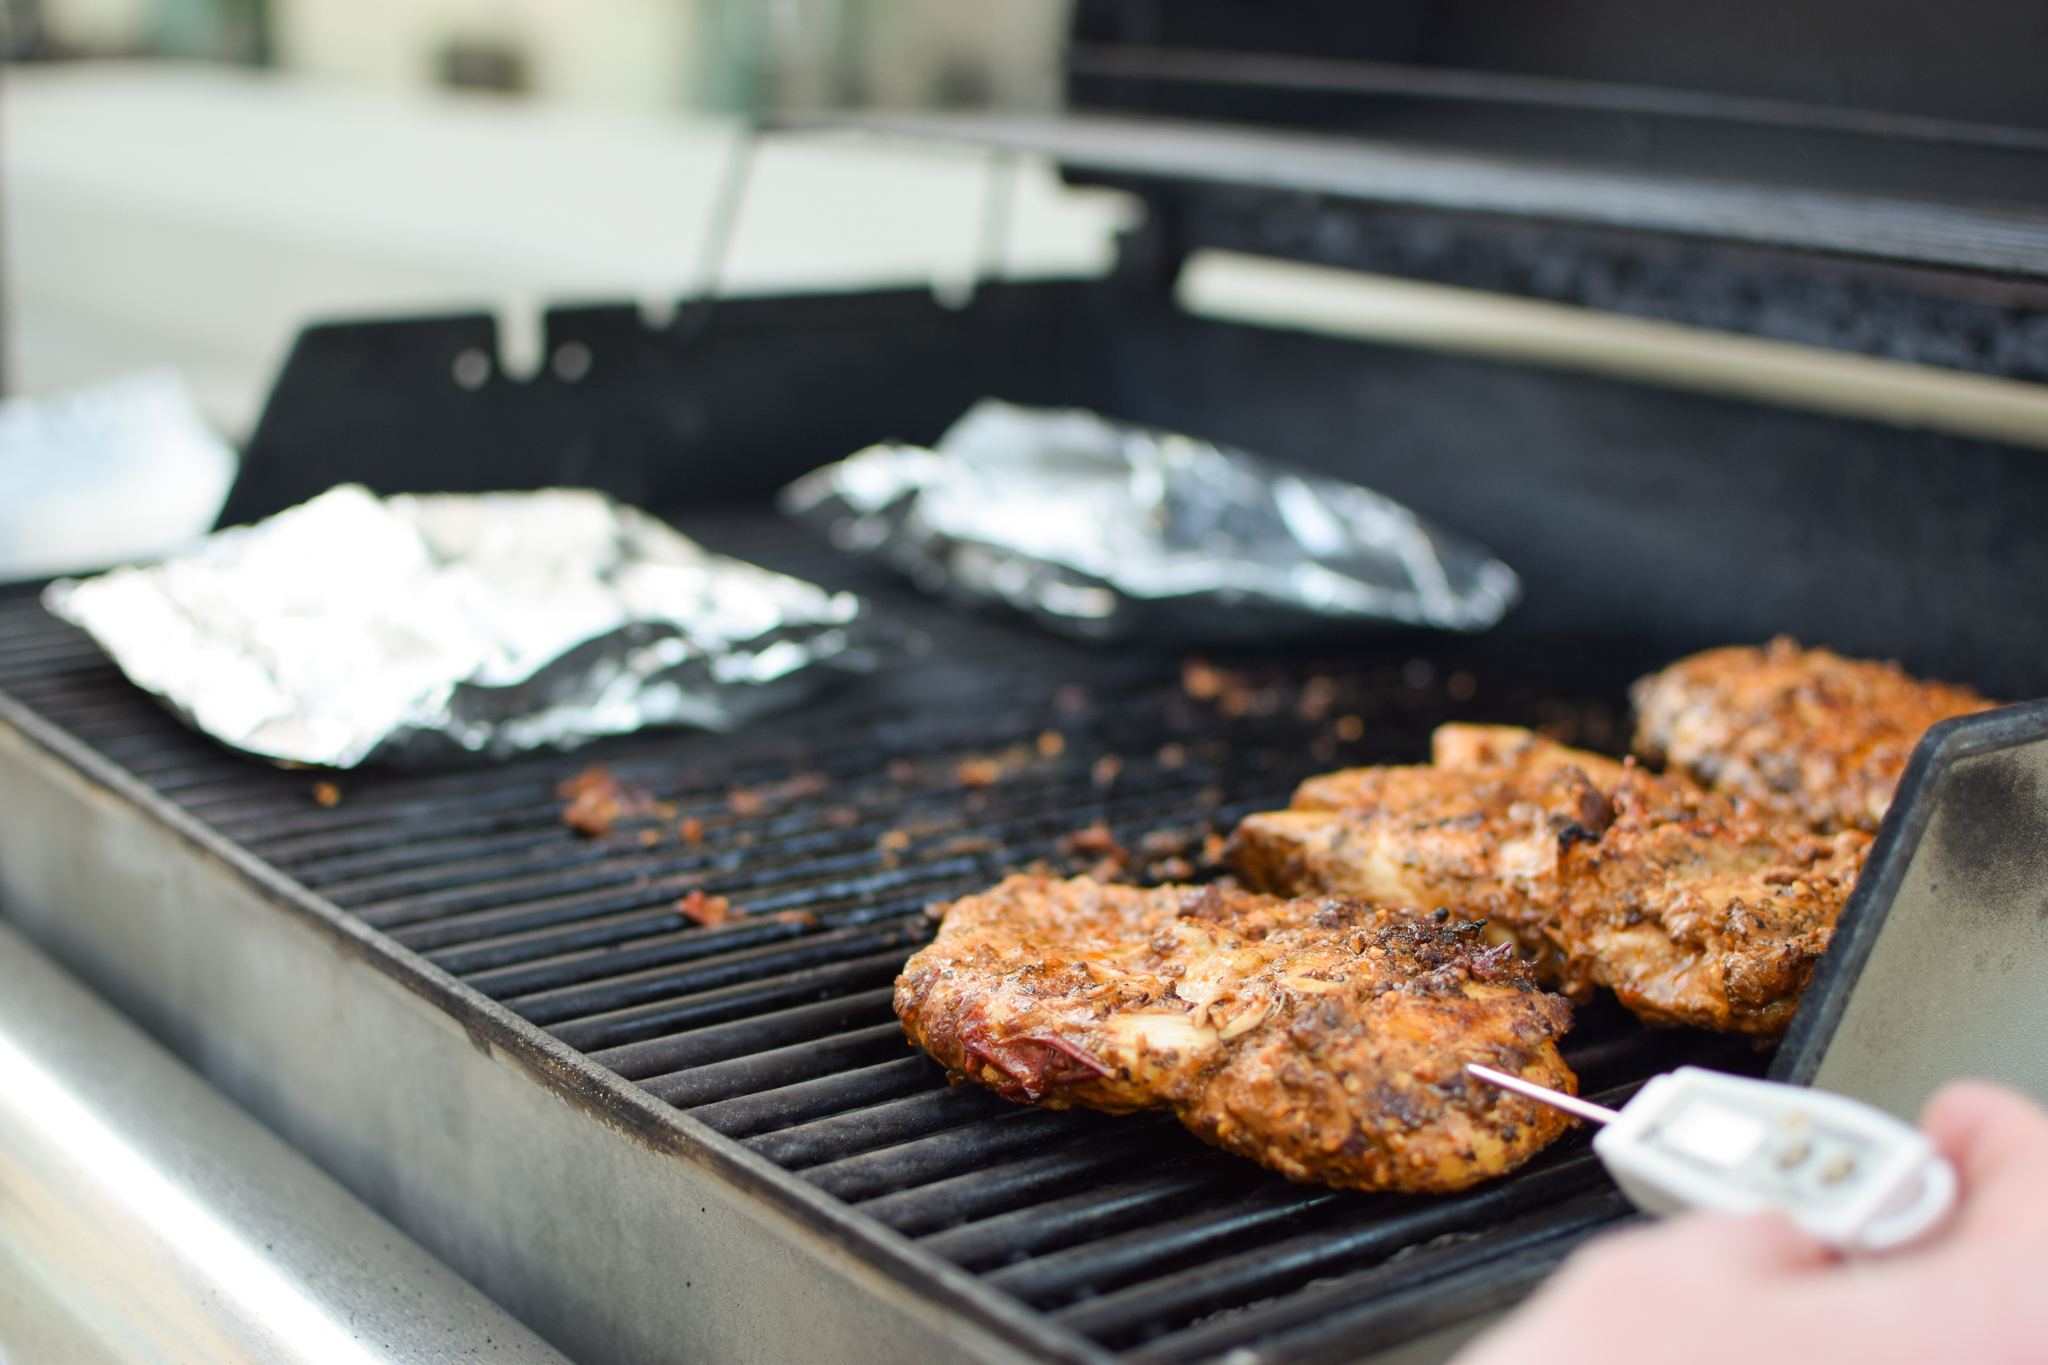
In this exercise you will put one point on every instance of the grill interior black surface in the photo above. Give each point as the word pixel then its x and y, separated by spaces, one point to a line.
pixel 832 829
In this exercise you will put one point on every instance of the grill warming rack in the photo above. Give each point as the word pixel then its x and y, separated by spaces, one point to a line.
pixel 833 829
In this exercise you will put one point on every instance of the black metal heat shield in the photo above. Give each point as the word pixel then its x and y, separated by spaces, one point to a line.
pixel 1939 966
pixel 1678 520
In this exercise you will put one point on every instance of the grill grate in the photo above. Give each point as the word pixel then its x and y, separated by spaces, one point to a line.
pixel 832 829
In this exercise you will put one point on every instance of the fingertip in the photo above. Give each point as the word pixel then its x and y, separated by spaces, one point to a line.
pixel 1972 1122
pixel 1966 1101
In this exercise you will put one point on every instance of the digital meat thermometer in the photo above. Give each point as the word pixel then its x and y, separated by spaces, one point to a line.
pixel 1851 1175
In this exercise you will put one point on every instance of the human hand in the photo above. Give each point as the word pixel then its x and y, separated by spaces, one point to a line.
pixel 1715 1288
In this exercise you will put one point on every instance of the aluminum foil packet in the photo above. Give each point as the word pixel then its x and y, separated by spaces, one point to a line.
pixel 1105 531
pixel 411 629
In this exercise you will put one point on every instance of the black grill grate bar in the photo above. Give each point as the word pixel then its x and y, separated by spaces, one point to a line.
pixel 791 1108
pixel 748 964
pixel 186 777
pixel 1098 1267
pixel 144 764
pixel 376 875
pixel 424 934
pixel 1012 1237
pixel 30 655
pixel 152 769
pixel 94 698
pixel 473 944
pixel 23 669
pixel 650 886
pixel 687 943
pixel 79 698
pixel 576 907
pixel 913 885
pixel 175 778
pixel 800 846
pixel 585 935
pixel 138 737
pixel 489 877
pixel 700 1047
pixel 86 687
pixel 556 941
pixel 1376 1231
pixel 999 1189
pixel 301 832
pixel 50 690
pixel 36 644
pixel 1608 1063
pixel 21 609
pixel 1396 1302
pixel 519 890
pixel 838 901
pixel 107 710
pixel 741 1001
pixel 714 1081
pixel 427 809
pixel 174 774
pixel 934 1158
pixel 768 859
pixel 166 754
pixel 91 699
pixel 845 1130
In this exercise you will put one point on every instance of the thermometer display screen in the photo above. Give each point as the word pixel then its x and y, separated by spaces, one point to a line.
pixel 1713 1135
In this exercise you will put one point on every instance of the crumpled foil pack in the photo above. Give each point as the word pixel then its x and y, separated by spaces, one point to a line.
pixel 416 628
pixel 1105 531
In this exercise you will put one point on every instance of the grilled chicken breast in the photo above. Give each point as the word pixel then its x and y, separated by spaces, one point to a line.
pixel 1698 910
pixel 1803 732
pixel 1692 906
pixel 1477 832
pixel 1325 1039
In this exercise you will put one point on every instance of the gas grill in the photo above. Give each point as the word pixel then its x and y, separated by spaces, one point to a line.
pixel 655 1140
pixel 773 1033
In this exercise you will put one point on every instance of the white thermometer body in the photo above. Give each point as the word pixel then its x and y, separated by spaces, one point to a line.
pixel 1848 1174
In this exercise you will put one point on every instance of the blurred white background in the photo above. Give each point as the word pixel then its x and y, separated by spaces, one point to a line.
pixel 741 55
pixel 188 182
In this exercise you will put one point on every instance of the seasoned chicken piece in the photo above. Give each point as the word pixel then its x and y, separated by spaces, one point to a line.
pixel 1063 993
pixel 1354 1074
pixel 1474 747
pixel 1480 838
pixel 1698 911
pixel 1804 732
pixel 1325 1039
pixel 1503 753
pixel 1695 909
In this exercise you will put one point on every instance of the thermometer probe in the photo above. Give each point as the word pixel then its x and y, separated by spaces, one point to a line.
pixel 1846 1173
